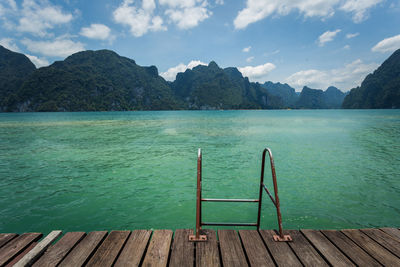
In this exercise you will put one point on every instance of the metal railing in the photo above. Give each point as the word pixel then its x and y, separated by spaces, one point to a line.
pixel 275 201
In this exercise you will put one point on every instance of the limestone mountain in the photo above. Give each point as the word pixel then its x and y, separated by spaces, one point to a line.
pixel 94 80
pixel 14 69
pixel 284 91
pixel 211 87
pixel 381 89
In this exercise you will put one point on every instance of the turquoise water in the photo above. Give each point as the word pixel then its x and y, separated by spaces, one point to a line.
pixel 130 170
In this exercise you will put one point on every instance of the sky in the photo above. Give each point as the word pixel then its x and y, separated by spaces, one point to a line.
pixel 315 43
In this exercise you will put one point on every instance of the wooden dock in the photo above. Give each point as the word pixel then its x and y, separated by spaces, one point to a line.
pixel 365 247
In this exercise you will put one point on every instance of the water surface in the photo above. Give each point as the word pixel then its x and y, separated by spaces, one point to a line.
pixel 129 170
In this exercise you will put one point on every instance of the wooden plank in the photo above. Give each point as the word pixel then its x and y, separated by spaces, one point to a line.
pixel 56 253
pixel 5 238
pixel 158 251
pixel 38 250
pixel 207 253
pixel 280 251
pixel 81 253
pixel 350 249
pixel 17 245
pixel 182 253
pixel 372 248
pixel 21 255
pixel 327 249
pixel 231 249
pixel 384 240
pixel 304 250
pixel 255 249
pixel 395 233
pixel 108 251
pixel 134 248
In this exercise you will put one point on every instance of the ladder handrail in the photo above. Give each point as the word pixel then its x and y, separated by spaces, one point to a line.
pixel 199 200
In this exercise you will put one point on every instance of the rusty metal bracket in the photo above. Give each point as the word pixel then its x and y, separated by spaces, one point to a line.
pixel 194 238
pixel 285 238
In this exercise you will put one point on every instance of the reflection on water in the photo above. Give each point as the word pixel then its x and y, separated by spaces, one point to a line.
pixel 125 170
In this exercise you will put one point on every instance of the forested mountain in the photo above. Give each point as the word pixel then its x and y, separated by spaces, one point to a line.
pixel 14 68
pixel 211 87
pixel 284 91
pixel 318 99
pixel 94 80
pixel 380 89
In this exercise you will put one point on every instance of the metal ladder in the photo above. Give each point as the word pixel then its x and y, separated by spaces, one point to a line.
pixel 199 200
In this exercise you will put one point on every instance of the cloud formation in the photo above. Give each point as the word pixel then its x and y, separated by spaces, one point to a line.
pixel 257 10
pixel 257 73
pixel 39 62
pixel 327 36
pixel 60 47
pixel 246 49
pixel 352 35
pixel 139 20
pixel 37 18
pixel 186 14
pixel 10 44
pixel 345 78
pixel 96 31
pixel 171 73
pixel 387 45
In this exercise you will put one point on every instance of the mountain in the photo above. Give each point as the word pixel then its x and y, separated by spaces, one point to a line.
pixel 318 99
pixel 333 97
pixel 211 87
pixel 14 69
pixel 381 89
pixel 284 91
pixel 94 80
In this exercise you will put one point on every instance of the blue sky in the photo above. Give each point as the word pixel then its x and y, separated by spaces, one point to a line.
pixel 304 42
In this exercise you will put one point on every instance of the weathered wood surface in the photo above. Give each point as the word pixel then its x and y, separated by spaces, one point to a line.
pixel 30 257
pixel 280 251
pixel 84 250
pixel 158 251
pixel 365 247
pixel 371 247
pixel 108 251
pixel 207 253
pixel 133 251
pixel 326 248
pixel 255 249
pixel 231 250
pixel 350 249
pixel 16 246
pixel 182 253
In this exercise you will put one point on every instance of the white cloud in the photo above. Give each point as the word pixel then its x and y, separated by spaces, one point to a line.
pixel 257 73
pixel 96 31
pixel 359 8
pixel 246 49
pixel 140 20
pixel 387 45
pixel 60 47
pixel 249 59
pixel 186 14
pixel 347 47
pixel 170 74
pixel 257 10
pixel 39 62
pixel 327 36
pixel 9 44
pixel 219 2
pixel 352 35
pixel 345 78
pixel 37 18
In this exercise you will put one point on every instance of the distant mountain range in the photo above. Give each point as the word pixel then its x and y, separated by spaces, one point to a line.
pixel 102 80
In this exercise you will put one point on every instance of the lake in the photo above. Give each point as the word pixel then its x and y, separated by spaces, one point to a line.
pixel 128 170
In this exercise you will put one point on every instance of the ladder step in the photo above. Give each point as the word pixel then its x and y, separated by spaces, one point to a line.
pixel 228 224
pixel 228 200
